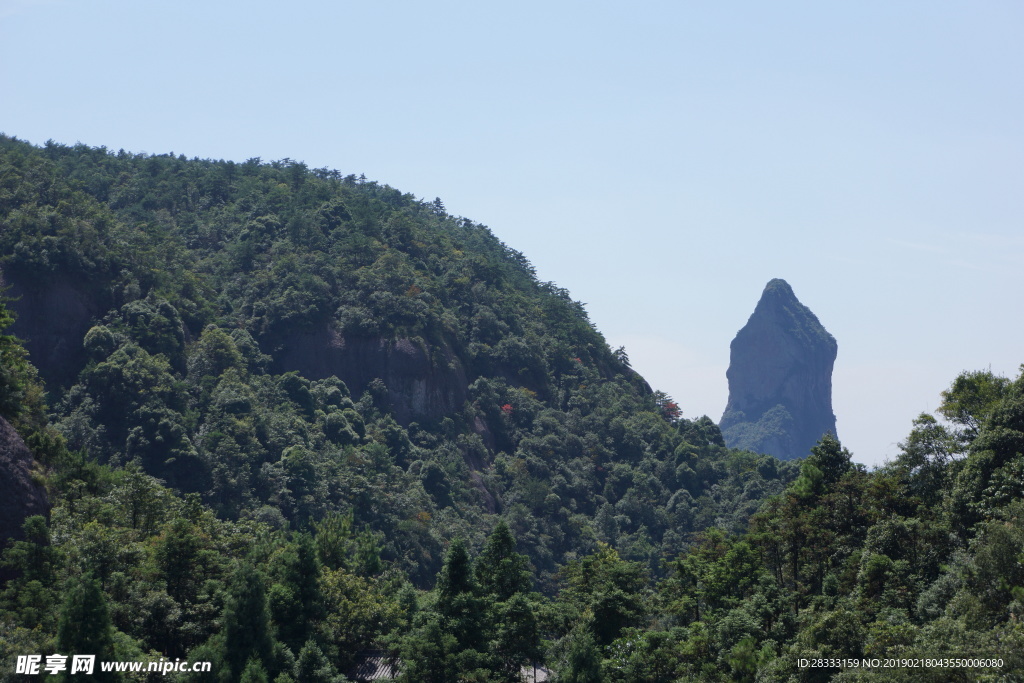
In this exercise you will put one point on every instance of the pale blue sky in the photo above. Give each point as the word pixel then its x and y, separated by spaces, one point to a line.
pixel 661 160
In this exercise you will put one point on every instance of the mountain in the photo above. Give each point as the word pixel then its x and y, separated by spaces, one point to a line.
pixel 290 422
pixel 287 343
pixel 780 378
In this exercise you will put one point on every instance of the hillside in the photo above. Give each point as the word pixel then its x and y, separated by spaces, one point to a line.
pixel 285 416
pixel 267 335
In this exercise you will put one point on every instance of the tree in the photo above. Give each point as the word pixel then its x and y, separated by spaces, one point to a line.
pixel 254 672
pixel 716 574
pixel 457 599
pixel 14 368
pixel 312 666
pixel 247 629
pixel 177 553
pixel 516 637
pixel 668 408
pixel 829 456
pixel 606 592
pixel 970 400
pixel 583 665
pixel 297 601
pixel 500 571
pixel 85 627
pixel 924 458
pixel 30 595
pixel 448 641
pixel 430 652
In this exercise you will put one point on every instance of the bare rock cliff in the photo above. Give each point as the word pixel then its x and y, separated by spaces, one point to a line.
pixel 20 495
pixel 780 378
pixel 53 317
pixel 423 381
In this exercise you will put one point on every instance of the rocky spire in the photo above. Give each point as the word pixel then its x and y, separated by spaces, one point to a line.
pixel 780 378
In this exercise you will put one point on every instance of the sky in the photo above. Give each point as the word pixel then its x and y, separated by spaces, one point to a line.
pixel 662 160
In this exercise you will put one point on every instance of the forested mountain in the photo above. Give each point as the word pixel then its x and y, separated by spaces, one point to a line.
pixel 285 416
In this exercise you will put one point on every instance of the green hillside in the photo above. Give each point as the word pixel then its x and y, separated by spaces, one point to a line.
pixel 286 416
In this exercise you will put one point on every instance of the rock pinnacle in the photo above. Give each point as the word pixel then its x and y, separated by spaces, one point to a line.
pixel 780 378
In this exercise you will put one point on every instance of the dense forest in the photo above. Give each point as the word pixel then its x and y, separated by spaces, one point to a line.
pixel 286 417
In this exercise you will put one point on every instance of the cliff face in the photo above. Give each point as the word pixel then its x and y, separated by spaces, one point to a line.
pixel 52 318
pixel 780 378
pixel 423 381
pixel 20 496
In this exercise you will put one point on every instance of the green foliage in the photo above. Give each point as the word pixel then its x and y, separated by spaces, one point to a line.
pixel 604 594
pixel 830 459
pixel 969 401
pixel 500 571
pixel 297 599
pixel 218 425
pixel 583 664
pixel 206 275
pixel 488 630
pixel 85 626
pixel 29 598
pixel 313 667
pixel 14 369
pixel 248 635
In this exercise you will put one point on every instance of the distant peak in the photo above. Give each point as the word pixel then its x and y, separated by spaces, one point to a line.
pixel 778 286
pixel 779 306
pixel 780 378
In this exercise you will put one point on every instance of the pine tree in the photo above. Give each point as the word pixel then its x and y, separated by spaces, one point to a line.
pixel 247 630
pixel 253 672
pixel 584 662
pixel 449 639
pixel 312 666
pixel 516 637
pixel 298 600
pixel 829 456
pixel 456 577
pixel 85 627
pixel 500 570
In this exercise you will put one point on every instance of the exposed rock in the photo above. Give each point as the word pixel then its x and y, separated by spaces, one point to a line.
pixel 780 378
pixel 52 318
pixel 424 381
pixel 20 495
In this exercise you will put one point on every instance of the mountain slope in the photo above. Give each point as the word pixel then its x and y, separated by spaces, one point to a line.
pixel 288 342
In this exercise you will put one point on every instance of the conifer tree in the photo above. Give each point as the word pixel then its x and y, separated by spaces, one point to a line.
pixel 500 570
pixel 247 630
pixel 829 456
pixel 298 601
pixel 85 627
pixel 449 639
pixel 457 599
pixel 516 637
pixel 253 672
pixel 584 661
pixel 312 666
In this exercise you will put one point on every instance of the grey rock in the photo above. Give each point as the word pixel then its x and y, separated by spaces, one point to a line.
pixel 21 496
pixel 52 317
pixel 780 378
pixel 423 380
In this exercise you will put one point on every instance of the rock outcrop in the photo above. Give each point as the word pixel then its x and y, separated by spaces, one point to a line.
pixel 52 318
pixel 780 378
pixel 20 495
pixel 423 381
